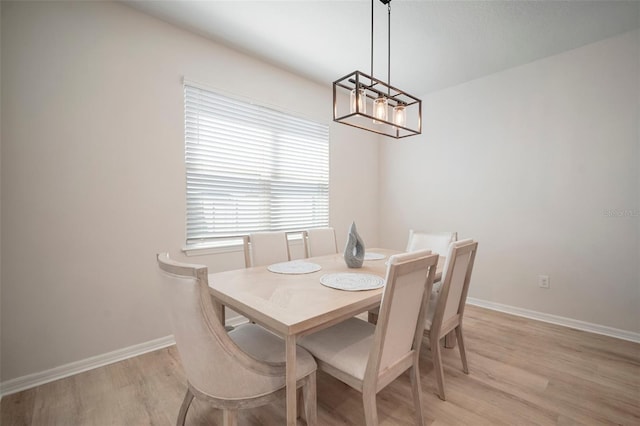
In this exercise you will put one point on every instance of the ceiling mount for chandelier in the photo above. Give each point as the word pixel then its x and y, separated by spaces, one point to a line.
pixel 393 112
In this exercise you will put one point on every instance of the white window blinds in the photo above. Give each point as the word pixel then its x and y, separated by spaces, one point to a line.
pixel 250 168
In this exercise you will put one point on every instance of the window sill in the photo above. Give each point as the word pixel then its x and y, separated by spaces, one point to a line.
pixel 214 248
pixel 229 246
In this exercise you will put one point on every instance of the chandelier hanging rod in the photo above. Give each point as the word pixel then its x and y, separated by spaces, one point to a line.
pixel 388 3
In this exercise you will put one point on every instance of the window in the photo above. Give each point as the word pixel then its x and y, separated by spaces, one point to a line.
pixel 250 168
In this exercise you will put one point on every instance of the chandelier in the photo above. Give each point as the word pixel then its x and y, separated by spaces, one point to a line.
pixel 368 103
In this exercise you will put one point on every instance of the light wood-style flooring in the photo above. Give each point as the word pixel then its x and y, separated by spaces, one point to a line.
pixel 522 372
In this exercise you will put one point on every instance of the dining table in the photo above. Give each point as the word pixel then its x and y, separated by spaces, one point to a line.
pixel 291 300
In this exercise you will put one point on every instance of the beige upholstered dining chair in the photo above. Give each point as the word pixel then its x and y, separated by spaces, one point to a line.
pixel 266 248
pixel 436 242
pixel 368 357
pixel 446 307
pixel 242 369
pixel 320 241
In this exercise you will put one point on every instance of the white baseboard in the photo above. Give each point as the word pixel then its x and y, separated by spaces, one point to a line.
pixel 31 380
pixel 36 379
pixel 236 321
pixel 558 320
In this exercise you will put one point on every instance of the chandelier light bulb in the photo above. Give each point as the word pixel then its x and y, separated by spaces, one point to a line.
pixel 400 115
pixel 380 108
pixel 358 101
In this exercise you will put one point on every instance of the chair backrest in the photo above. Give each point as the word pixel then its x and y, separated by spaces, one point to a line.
pixel 401 318
pixel 456 277
pixel 321 241
pixel 436 242
pixel 213 363
pixel 268 247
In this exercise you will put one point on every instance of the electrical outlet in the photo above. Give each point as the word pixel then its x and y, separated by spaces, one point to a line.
pixel 543 281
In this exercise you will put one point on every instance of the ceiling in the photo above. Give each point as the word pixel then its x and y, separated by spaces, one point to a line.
pixel 434 44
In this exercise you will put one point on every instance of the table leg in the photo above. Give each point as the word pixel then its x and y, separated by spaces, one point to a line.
pixel 292 412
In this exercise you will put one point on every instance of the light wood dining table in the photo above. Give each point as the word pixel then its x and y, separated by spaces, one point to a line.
pixel 294 305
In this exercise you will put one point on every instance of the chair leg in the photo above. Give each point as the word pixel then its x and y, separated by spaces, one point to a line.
pixel 230 417
pixel 437 367
pixel 372 318
pixel 416 389
pixel 186 403
pixel 310 400
pixel 463 352
pixel 370 409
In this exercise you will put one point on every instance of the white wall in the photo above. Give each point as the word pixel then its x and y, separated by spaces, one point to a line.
pixel 528 162
pixel 93 180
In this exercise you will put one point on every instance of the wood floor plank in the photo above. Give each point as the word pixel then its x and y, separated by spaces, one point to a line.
pixel 18 408
pixel 522 372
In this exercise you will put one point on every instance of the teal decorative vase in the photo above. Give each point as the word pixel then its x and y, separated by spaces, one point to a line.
pixel 354 251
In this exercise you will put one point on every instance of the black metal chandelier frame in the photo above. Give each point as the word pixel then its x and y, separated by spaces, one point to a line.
pixel 368 88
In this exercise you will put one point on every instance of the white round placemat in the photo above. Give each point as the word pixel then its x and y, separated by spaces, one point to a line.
pixel 370 255
pixel 352 281
pixel 295 267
